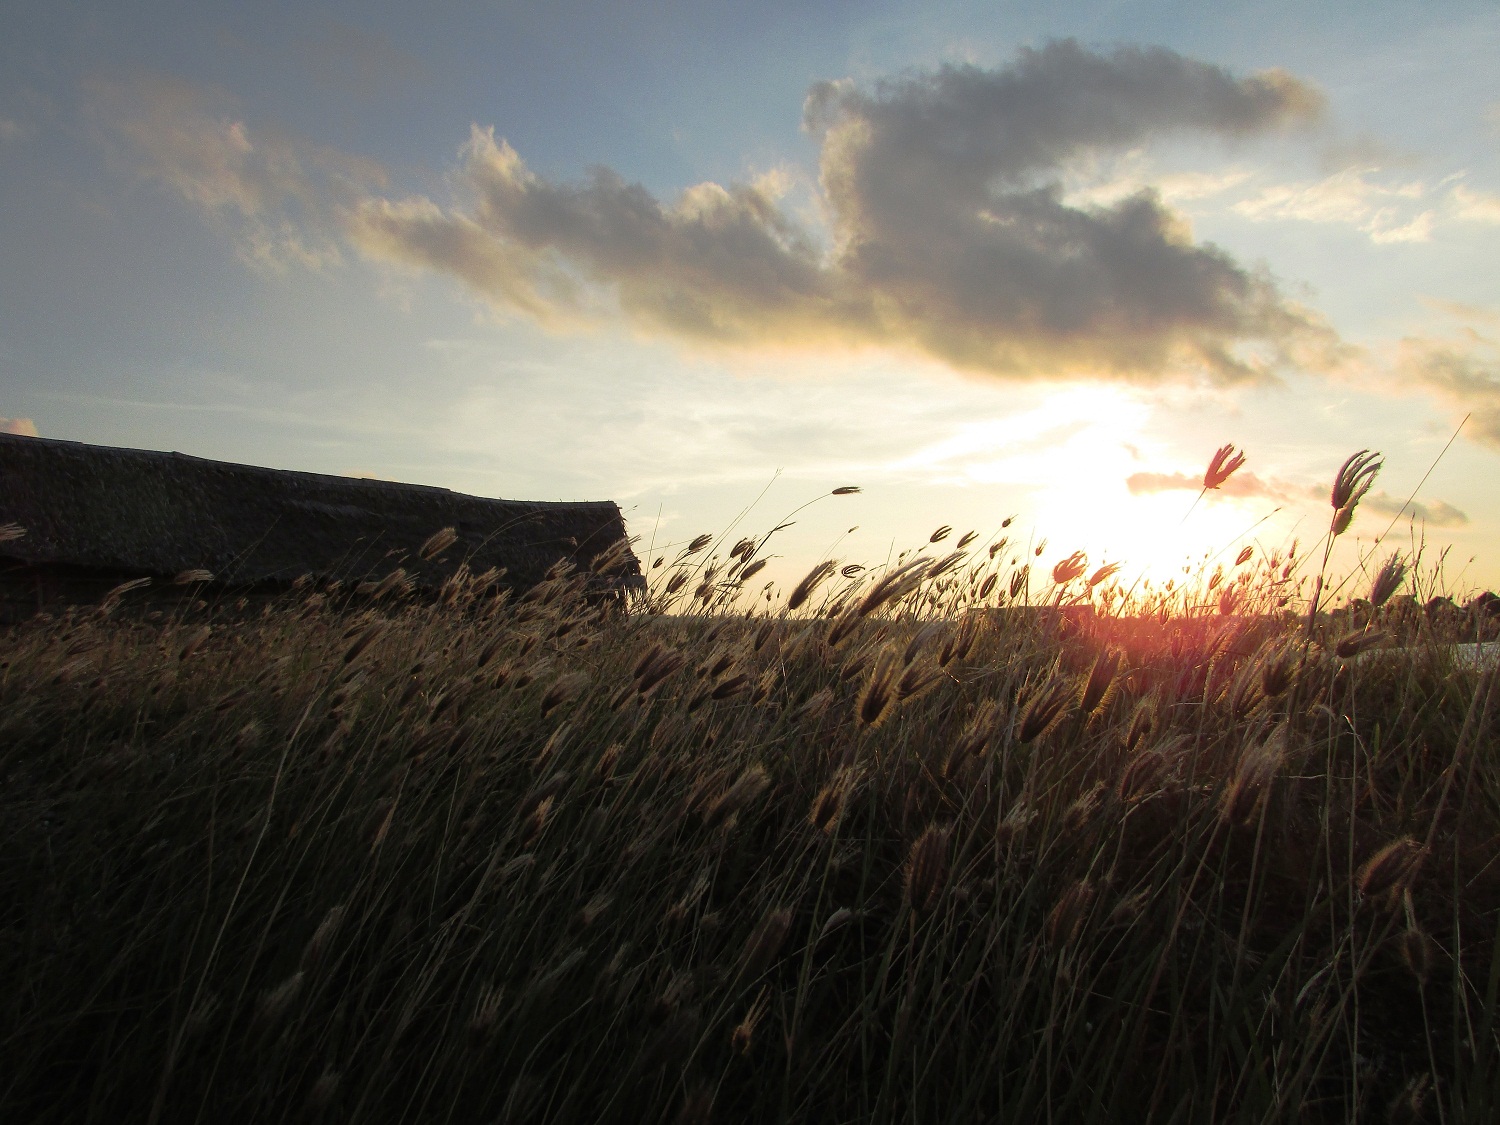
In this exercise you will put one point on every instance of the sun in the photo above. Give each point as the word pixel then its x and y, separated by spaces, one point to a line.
pixel 1074 455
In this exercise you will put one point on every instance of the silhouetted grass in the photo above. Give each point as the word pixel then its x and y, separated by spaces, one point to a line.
pixel 948 842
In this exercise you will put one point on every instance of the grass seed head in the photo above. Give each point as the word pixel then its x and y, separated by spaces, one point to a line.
pixel 1277 673
pixel 810 582
pixel 1096 689
pixel 1353 480
pixel 1417 953
pixel 927 868
pixel 1387 580
pixel 1258 765
pixel 438 542
pixel 1352 644
pixel 765 942
pixel 1223 465
pixel 828 805
pixel 275 1003
pixel 324 1090
pixel 1070 568
pixel 879 693
pixel 1066 918
pixel 318 944
pixel 1391 869
pixel 697 1106
pixel 1044 708
pixel 743 1035
pixel 748 788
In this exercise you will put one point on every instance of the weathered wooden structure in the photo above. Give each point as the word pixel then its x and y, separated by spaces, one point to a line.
pixel 96 516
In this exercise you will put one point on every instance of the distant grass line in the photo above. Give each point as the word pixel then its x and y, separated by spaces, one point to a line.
pixel 898 854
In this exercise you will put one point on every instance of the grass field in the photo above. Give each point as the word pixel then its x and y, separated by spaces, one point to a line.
pixel 927 843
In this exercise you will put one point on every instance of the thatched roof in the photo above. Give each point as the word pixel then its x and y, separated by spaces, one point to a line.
pixel 138 512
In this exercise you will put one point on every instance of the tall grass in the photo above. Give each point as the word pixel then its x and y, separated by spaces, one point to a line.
pixel 938 843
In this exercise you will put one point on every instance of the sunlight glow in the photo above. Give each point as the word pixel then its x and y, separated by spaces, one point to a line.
pixel 1073 455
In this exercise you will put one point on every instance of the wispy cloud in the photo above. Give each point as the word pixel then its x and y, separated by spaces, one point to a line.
pixel 1462 369
pixel 1475 206
pixel 1243 485
pixel 948 230
pixel 1385 212
pixel 275 192
pixel 1434 513
pixel 1246 485
pixel 24 427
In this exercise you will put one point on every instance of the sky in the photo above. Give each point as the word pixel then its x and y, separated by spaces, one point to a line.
pixel 712 260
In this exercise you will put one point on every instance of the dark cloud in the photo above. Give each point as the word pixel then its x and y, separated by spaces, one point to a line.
pixel 949 231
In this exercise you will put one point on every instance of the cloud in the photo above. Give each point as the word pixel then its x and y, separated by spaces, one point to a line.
pixel 1349 196
pixel 1246 485
pixel 948 230
pixel 1243 485
pixel 1476 206
pixel 275 192
pixel 11 130
pixel 1435 514
pixel 1463 370
pixel 24 427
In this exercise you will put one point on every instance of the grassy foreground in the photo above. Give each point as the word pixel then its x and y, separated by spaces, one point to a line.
pixel 879 857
